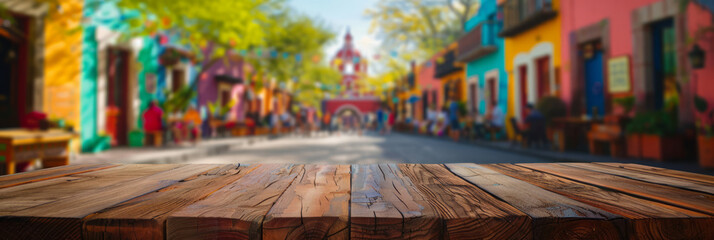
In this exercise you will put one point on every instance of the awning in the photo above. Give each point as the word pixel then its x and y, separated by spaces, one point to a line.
pixel 413 99
pixel 228 79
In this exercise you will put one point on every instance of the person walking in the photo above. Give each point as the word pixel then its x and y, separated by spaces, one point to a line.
pixel 380 120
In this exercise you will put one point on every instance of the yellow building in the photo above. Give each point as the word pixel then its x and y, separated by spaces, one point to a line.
pixel 451 75
pixel 62 64
pixel 532 33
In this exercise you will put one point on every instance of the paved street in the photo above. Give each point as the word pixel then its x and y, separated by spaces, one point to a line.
pixel 371 148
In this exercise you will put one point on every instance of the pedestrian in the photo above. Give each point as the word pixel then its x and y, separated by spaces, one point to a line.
pixel 454 124
pixel 391 118
pixel 534 126
pixel 380 120
pixel 327 122
pixel 153 121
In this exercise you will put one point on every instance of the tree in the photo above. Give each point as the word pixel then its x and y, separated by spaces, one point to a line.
pixel 315 83
pixel 420 28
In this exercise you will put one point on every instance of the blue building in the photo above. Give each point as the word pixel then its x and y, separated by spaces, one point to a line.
pixel 482 50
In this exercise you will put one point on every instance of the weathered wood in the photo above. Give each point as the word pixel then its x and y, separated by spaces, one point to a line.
pixel 554 216
pixel 235 211
pixel 645 219
pixel 467 211
pixel 29 195
pixel 386 205
pixel 62 219
pixel 652 178
pixel 663 171
pixel 315 206
pixel 144 217
pixel 49 173
pixel 676 196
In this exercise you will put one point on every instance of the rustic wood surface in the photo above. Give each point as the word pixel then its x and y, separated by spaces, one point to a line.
pixel 554 216
pixel 381 201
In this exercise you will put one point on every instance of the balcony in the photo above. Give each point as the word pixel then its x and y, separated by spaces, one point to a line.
pixel 475 44
pixel 521 15
pixel 447 66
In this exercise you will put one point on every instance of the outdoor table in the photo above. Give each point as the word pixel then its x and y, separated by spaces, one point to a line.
pixel 573 132
pixel 385 201
pixel 18 145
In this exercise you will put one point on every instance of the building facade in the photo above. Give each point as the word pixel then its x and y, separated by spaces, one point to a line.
pixel 483 51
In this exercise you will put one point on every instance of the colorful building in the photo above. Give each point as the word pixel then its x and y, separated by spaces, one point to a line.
pixel 484 54
pixel 450 72
pixel 532 32
pixel 639 48
pixel 429 87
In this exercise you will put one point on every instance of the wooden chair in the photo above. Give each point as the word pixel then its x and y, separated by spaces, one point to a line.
pixel 518 136
pixel 157 137
pixel 609 133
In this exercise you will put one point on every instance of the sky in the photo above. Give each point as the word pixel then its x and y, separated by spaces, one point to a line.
pixel 340 14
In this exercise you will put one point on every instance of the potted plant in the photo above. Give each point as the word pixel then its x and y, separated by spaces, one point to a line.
pixel 136 138
pixel 657 136
pixel 705 138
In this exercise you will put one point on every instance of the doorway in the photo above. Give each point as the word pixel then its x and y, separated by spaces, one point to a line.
pixel 473 100
pixel 664 83
pixel 543 71
pixel 15 84
pixel 523 81
pixel 594 80
pixel 117 95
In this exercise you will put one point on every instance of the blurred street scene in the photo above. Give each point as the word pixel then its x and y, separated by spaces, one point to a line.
pixel 396 81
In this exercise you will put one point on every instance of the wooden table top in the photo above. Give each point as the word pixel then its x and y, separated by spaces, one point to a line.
pixel 384 201
pixel 19 134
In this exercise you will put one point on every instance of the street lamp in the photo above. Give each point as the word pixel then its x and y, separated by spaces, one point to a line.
pixel 697 57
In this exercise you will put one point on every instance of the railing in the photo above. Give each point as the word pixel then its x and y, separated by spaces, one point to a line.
pixel 447 66
pixel 520 15
pixel 479 42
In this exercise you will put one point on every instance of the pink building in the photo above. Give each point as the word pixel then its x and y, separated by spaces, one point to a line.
pixel 615 48
pixel 431 93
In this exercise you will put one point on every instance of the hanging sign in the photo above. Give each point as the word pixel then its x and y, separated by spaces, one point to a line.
pixel 618 74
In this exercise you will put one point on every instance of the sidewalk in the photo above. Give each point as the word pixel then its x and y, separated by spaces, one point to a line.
pixel 687 166
pixel 171 153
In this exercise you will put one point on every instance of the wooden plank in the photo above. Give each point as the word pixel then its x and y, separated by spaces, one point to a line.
pixel 645 219
pixel 652 178
pixel 62 219
pixel 13 199
pixel 467 211
pixel 49 173
pixel 554 216
pixel 144 217
pixel 386 205
pixel 679 197
pixel 663 171
pixel 235 211
pixel 315 206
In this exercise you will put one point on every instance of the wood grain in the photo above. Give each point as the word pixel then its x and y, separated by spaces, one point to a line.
pixel 645 219
pixel 62 219
pixel 646 177
pixel 386 205
pixel 554 216
pixel 467 211
pixel 663 171
pixel 675 196
pixel 315 206
pixel 49 173
pixel 144 217
pixel 235 211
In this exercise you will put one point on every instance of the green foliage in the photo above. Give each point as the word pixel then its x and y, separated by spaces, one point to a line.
pixel 701 104
pixel 220 111
pixel 660 123
pixel 627 103
pixel 551 107
pixel 705 123
pixel 178 101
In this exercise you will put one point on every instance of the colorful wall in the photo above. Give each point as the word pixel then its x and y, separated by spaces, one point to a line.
pixel 62 65
pixel 699 17
pixel 523 49
pixel 491 65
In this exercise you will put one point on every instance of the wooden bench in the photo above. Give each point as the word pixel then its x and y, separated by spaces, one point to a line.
pixel 397 201
pixel 609 133
pixel 21 145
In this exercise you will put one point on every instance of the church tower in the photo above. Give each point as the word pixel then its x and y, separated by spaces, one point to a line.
pixel 351 65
